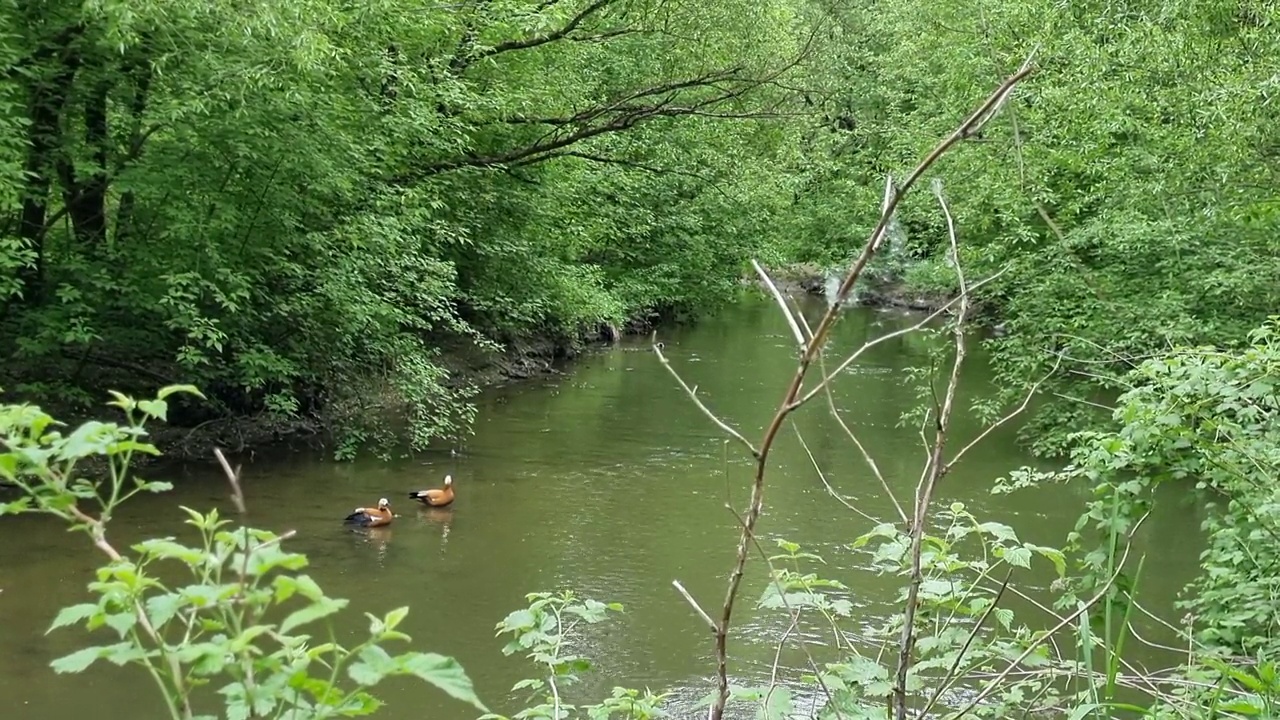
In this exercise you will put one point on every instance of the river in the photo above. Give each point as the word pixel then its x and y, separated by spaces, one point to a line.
pixel 605 480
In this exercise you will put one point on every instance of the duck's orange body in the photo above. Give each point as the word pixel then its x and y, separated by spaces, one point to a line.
pixel 371 517
pixel 436 497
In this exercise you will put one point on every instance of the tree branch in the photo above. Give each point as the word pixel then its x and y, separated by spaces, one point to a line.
pixel 620 114
pixel 866 456
pixel 936 468
pixel 693 395
pixel 542 39
pixel 671 99
pixel 815 344
pixel 1026 400
pixel 782 304
pixel 694 604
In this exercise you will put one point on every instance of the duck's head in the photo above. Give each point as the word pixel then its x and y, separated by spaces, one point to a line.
pixel 448 480
pixel 383 504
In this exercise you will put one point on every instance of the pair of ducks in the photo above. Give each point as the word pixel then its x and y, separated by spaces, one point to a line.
pixel 381 515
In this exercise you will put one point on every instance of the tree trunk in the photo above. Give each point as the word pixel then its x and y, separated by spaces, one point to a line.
pixel 47 94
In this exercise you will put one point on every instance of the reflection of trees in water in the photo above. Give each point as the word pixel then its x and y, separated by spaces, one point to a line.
pixel 442 517
pixel 378 537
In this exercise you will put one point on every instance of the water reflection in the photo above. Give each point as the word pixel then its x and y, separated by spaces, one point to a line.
pixel 438 517
pixel 376 537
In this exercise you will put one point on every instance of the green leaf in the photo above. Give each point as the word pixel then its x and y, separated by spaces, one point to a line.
pixel 17 507
pixel 123 446
pixel 91 438
pixel 77 661
pixel 1053 555
pixel 162 608
pixel 155 408
pixel 71 615
pixel 522 619
pixel 1000 531
pixel 395 617
pixel 168 390
pixel 1018 556
pixel 1081 711
pixel 323 607
pixel 777 704
pixel 122 622
pixel 1004 616
pixel 444 673
pixel 1244 706
pixel 168 549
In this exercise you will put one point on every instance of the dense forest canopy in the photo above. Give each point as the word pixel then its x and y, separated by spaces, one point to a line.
pixel 299 207
pixel 284 202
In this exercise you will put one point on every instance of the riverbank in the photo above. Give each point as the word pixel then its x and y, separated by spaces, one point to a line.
pixel 812 280
pixel 521 358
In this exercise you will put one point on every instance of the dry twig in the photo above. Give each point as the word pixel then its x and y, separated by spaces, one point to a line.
pixel 782 304
pixel 866 456
pixel 694 604
pixel 693 395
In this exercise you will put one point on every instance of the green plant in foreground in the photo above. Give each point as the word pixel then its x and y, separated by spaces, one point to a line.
pixel 543 632
pixel 219 629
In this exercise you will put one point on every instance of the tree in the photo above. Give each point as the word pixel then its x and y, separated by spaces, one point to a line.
pixel 299 207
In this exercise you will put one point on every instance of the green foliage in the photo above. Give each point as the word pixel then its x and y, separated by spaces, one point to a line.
pixel 543 632
pixel 307 222
pixel 244 621
pixel 1128 188
pixel 1207 419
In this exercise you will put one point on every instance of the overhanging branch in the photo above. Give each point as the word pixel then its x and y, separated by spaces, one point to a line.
pixel 468 53
pixel 705 95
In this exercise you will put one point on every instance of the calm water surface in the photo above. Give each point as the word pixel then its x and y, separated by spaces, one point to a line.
pixel 606 481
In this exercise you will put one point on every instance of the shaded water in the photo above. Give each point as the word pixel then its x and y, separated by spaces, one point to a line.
pixel 607 481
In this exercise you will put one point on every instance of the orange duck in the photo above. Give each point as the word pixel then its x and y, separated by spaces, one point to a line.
pixel 371 517
pixel 435 497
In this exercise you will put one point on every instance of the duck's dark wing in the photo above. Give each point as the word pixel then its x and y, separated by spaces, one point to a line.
pixel 359 517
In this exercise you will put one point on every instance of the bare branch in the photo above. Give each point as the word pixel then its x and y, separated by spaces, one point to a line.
pixel 844 365
pixel 812 348
pixel 786 311
pixel 1026 400
pixel 822 476
pixel 693 395
pixel 694 604
pixel 936 468
pixel 866 456
pixel 233 477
